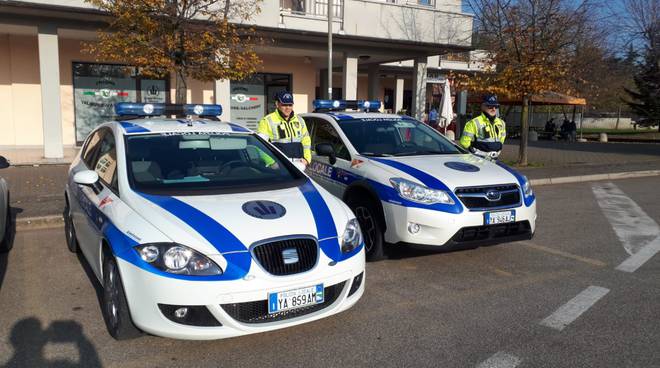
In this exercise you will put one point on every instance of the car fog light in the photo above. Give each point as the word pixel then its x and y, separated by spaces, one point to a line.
pixel 181 312
pixel 413 228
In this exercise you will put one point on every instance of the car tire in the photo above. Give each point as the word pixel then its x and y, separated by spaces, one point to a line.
pixel 115 310
pixel 69 230
pixel 366 213
pixel 7 239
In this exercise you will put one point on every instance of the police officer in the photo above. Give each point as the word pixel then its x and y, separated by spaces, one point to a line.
pixel 286 130
pixel 485 134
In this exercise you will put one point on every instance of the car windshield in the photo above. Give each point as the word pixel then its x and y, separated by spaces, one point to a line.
pixel 396 137
pixel 178 164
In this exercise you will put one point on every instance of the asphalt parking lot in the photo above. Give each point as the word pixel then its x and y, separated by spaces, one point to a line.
pixel 584 292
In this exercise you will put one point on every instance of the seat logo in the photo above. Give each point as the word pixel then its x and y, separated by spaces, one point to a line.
pixel 265 210
pixel 290 256
pixel 493 195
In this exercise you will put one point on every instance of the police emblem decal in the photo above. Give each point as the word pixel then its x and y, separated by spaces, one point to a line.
pixel 265 210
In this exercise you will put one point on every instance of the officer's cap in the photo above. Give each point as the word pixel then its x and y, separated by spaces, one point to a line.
pixel 491 101
pixel 284 97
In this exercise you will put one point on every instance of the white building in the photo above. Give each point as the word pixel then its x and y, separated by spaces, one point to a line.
pixel 52 94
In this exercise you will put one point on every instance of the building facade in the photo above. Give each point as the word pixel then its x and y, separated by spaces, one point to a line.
pixel 52 93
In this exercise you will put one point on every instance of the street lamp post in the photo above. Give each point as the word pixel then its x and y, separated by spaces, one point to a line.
pixel 329 49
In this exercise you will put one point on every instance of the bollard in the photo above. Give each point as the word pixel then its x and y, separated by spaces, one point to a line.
pixel 533 136
pixel 602 138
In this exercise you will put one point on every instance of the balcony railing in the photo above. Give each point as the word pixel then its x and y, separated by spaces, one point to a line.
pixel 315 8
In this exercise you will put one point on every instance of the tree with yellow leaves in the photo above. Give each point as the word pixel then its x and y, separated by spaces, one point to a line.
pixel 201 39
pixel 530 46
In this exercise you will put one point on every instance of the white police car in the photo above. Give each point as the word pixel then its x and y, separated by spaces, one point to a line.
pixel 199 229
pixel 408 184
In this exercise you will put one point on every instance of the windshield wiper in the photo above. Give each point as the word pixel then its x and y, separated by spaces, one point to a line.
pixel 376 154
pixel 426 152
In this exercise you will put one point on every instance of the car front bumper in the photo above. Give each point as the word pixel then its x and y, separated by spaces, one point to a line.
pixel 438 228
pixel 145 290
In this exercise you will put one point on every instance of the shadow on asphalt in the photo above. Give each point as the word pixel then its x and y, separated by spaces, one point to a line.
pixel 11 237
pixel 413 251
pixel 29 340
pixel 98 289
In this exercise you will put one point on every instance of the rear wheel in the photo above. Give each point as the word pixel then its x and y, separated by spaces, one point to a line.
pixel 8 234
pixel 115 307
pixel 366 213
pixel 69 230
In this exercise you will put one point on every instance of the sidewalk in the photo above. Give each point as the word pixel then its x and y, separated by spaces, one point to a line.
pixel 38 190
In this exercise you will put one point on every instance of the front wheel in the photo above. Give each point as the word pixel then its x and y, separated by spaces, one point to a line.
pixel 366 214
pixel 115 307
pixel 69 230
pixel 8 234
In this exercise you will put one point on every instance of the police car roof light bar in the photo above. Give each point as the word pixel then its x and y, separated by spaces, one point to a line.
pixel 158 109
pixel 341 105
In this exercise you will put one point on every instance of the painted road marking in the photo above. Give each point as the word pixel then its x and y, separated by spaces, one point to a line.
pixel 575 307
pixel 639 233
pixel 500 360
pixel 557 252
pixel 638 259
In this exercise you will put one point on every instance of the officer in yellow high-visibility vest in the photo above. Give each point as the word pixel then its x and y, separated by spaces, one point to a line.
pixel 286 130
pixel 485 134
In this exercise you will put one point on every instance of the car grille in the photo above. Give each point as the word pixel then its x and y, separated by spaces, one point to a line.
pixel 476 199
pixel 489 232
pixel 275 256
pixel 257 311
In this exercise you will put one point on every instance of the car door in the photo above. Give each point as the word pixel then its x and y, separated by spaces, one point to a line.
pixel 333 177
pixel 98 197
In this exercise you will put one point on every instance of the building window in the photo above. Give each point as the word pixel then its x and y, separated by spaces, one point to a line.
pixel 98 87
pixel 252 99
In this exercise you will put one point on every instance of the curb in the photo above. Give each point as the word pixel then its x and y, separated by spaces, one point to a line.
pixel 54 221
pixel 39 222
pixel 595 177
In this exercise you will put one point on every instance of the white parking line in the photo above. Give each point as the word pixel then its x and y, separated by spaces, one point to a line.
pixel 500 360
pixel 637 231
pixel 575 307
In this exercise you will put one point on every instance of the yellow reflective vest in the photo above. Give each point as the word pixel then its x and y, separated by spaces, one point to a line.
pixel 280 130
pixel 481 129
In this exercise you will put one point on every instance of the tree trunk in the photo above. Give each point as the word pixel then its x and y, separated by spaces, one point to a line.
pixel 524 132
pixel 181 88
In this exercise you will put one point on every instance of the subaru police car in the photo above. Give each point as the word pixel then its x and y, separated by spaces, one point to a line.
pixel 408 184
pixel 199 229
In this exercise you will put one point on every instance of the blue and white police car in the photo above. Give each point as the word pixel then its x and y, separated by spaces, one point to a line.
pixel 199 229
pixel 408 184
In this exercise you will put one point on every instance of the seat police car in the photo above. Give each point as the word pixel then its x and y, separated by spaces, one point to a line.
pixel 199 229
pixel 408 184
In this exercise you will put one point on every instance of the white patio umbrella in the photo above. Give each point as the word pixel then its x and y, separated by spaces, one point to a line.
pixel 446 111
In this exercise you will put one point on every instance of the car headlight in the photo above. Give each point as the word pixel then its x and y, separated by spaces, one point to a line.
pixel 352 237
pixel 419 193
pixel 177 259
pixel 527 187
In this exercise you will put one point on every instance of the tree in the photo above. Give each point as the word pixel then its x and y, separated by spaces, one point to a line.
pixel 646 98
pixel 201 39
pixel 530 45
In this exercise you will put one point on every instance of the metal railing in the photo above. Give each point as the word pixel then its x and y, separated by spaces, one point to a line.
pixel 313 8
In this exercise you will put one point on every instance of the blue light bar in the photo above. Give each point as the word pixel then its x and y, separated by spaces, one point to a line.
pixel 156 109
pixel 338 105
pixel 203 109
pixel 139 109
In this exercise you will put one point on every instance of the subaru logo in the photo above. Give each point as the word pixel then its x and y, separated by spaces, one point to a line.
pixel 493 195
pixel 290 256
pixel 265 210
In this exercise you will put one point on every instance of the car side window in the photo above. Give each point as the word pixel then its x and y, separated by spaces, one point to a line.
pixel 106 162
pixel 325 133
pixel 91 146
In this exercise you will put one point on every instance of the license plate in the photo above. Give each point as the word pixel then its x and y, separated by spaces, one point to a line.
pixel 492 218
pixel 297 298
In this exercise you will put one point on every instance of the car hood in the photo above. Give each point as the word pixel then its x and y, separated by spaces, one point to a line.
pixel 220 224
pixel 452 170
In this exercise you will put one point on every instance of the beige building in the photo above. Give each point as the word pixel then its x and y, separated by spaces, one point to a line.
pixel 52 93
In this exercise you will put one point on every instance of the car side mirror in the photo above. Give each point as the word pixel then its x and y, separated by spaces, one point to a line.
pixel 325 149
pixel 3 163
pixel 86 177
